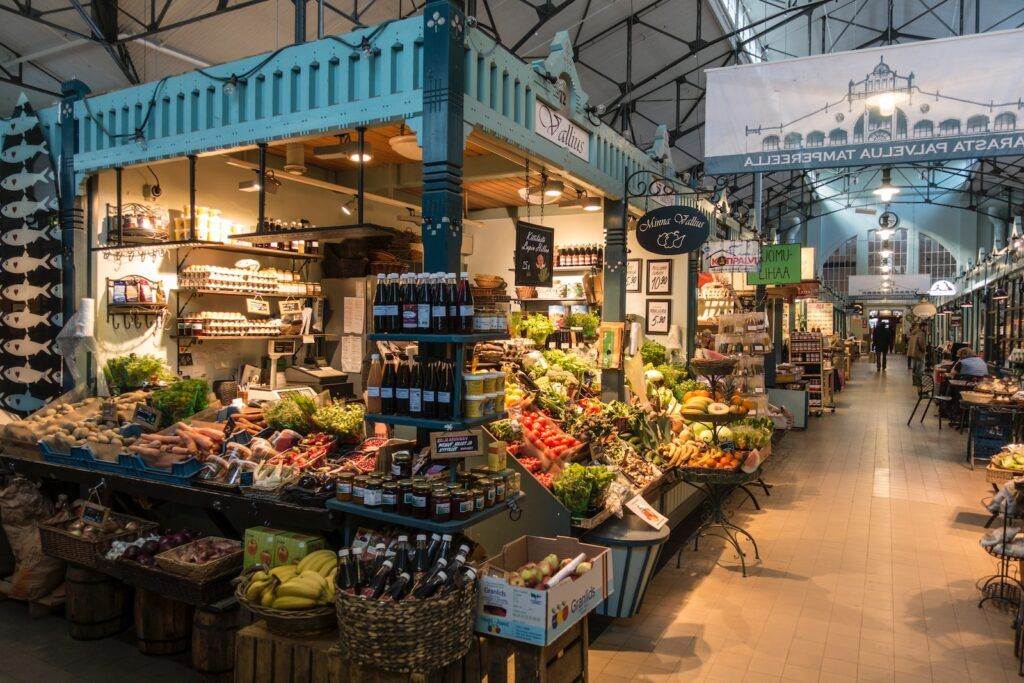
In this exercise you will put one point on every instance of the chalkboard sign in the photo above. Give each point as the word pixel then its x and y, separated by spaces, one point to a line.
pixel 94 515
pixel 535 248
pixel 147 417
pixel 446 445
pixel 671 230
pixel 108 411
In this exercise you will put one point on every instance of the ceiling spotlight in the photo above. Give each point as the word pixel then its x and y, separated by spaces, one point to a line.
pixel 346 207
pixel 406 145
pixel 885 253
pixel 254 185
pixel 887 101
pixel 886 191
pixel 295 158
pixel 592 204
pixel 553 188
pixel 884 233
pixel 345 149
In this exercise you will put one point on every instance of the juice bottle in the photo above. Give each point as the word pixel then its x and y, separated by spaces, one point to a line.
pixel 387 388
pixel 373 382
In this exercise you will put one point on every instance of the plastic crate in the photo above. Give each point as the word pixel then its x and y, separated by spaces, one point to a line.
pixel 982 447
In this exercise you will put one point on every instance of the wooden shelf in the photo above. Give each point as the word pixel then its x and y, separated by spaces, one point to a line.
pixel 438 338
pixel 336 233
pixel 449 527
pixel 213 246
pixel 446 425
pixel 251 295
pixel 258 337
pixel 553 301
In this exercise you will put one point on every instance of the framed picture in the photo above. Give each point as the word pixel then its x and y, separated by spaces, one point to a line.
pixel 658 316
pixel 633 274
pixel 659 276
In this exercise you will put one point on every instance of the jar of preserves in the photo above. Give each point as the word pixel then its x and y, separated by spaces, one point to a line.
pixel 420 498
pixel 478 499
pixel 490 490
pixel 440 504
pixel 405 497
pixel 389 496
pixel 359 488
pixel 401 464
pixel 343 490
pixel 499 488
pixel 373 492
pixel 462 504
pixel 512 483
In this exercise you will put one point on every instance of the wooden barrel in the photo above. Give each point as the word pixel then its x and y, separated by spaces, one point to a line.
pixel 94 604
pixel 162 626
pixel 213 643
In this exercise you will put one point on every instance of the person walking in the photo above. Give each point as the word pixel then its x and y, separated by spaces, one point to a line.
pixel 881 344
pixel 917 346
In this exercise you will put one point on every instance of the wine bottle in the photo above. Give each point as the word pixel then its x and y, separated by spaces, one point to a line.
pixel 422 303
pixel 416 389
pixel 402 388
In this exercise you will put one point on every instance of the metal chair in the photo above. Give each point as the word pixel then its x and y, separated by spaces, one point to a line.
pixel 927 392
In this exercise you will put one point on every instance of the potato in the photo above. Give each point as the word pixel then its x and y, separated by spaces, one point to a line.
pixel 80 433
pixel 116 441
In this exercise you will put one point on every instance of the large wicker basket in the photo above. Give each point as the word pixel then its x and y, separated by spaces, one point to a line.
pixel 295 623
pixel 208 571
pixel 708 367
pixel 417 636
pixel 61 543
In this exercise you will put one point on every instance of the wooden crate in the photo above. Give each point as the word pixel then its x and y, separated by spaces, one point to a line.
pixel 262 657
pixel 563 661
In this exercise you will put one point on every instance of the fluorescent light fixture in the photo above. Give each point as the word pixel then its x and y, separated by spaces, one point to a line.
pixel 554 188
pixel 886 191
pixel 886 102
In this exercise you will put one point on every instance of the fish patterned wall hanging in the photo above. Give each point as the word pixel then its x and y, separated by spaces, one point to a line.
pixel 30 266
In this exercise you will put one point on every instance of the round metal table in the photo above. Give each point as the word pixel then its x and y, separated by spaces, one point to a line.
pixel 717 486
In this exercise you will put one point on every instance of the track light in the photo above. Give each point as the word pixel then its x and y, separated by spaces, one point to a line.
pixel 253 185
pixel 345 149
pixel 592 204
pixel 346 207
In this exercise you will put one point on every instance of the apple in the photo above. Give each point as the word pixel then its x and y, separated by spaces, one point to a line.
pixel 564 562
pixel 582 568
pixel 531 574
pixel 517 581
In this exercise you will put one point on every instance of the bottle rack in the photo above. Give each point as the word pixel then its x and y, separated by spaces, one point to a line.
pixel 807 349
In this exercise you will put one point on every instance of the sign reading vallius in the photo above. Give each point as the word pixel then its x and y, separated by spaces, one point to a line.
pixel 446 445
pixel 671 230
pixel 535 246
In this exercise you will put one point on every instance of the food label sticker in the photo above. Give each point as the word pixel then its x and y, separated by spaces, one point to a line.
pixel 147 417
pixel 108 413
pixel 642 509
pixel 289 307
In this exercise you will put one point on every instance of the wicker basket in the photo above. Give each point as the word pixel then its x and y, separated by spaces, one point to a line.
pixel 168 585
pixel 526 292
pixel 413 635
pixel 706 367
pixel 489 281
pixel 61 543
pixel 294 623
pixel 208 571
pixel 999 475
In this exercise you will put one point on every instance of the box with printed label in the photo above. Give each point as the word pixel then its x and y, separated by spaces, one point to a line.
pixel 259 546
pixel 509 608
pixel 292 546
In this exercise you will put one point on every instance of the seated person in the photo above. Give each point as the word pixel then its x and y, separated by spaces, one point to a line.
pixel 969 364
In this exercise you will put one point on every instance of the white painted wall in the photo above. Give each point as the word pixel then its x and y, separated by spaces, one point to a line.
pixel 494 250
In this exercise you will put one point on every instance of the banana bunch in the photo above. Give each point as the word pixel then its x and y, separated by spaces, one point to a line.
pixel 309 583
pixel 678 453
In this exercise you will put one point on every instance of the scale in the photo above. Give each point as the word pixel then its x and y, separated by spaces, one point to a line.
pixel 277 349
pixel 320 377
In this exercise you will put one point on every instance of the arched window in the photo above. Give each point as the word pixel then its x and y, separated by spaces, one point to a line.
pixel 793 140
pixel 815 138
pixel 897 262
pixel 837 137
pixel 977 124
pixel 949 127
pixel 934 258
pixel 924 129
pixel 1006 121
pixel 840 265
pixel 771 142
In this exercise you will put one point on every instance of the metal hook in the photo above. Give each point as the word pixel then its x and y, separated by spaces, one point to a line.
pixel 113 322
pixel 514 511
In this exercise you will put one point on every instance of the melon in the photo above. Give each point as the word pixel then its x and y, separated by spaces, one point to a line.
pixel 718 409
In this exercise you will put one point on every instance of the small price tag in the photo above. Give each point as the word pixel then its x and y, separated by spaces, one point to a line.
pixel 94 515
pixel 642 509
pixel 447 445
pixel 147 417
pixel 257 306
pixel 108 411
pixel 289 307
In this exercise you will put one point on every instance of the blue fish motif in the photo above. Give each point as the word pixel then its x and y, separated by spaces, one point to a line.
pixel 29 375
pixel 24 403
pixel 25 235
pixel 16 125
pixel 21 152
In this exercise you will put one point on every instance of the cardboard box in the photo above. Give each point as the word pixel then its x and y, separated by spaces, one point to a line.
pixel 292 546
pixel 536 616
pixel 259 546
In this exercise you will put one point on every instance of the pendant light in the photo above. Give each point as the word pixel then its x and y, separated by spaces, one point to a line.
pixel 295 158
pixel 886 191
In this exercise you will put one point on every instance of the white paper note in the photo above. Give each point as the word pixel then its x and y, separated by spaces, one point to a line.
pixel 351 354
pixel 355 315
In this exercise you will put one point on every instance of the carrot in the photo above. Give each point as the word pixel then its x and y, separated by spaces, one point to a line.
pixel 188 441
pixel 207 431
pixel 142 450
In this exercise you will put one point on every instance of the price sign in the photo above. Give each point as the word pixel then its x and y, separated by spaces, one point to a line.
pixel 257 306
pixel 108 412
pixel 447 445
pixel 94 515
pixel 289 307
pixel 535 246
pixel 147 417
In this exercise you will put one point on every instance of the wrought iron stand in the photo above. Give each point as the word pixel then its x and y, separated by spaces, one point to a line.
pixel 716 487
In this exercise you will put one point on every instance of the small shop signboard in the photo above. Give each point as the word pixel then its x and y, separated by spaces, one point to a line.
pixel 448 445
pixel 780 265
pixel 732 256
pixel 535 246
pixel 552 124
pixel 672 230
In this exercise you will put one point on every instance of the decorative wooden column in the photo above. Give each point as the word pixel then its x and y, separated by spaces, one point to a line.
pixel 614 305
pixel 442 136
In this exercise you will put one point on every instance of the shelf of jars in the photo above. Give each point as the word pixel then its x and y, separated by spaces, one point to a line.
pixel 334 233
pixel 250 295
pixel 229 247
pixel 457 338
pixel 451 526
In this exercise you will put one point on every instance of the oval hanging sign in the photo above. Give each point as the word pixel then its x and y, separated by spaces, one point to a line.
pixel 670 230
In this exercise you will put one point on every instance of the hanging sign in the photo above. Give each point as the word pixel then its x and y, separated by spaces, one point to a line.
pixel 257 306
pixel 671 230
pixel 888 220
pixel 289 307
pixel 942 288
pixel 447 445
pixel 94 515
pixel 732 256
pixel 553 125
pixel 535 245
pixel 780 265
pixel 896 104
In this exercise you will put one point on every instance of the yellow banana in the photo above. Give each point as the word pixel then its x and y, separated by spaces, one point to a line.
pixel 312 576
pixel 331 577
pixel 255 589
pixel 259 576
pixel 313 558
pixel 300 588
pixel 324 568
pixel 292 602
pixel 284 572
pixel 269 594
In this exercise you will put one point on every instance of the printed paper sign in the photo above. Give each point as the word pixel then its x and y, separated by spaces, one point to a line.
pixel 642 509
pixel 732 256
pixel 444 445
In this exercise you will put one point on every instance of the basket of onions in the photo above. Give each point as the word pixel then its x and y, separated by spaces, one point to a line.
pixel 203 559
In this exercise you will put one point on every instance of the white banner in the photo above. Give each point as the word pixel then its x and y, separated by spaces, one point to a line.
pixel 732 256
pixel 957 98
pixel 902 286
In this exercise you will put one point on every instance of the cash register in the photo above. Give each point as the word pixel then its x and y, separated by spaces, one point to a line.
pixel 320 377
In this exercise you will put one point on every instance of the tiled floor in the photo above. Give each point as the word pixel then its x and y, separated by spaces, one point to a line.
pixel 870 564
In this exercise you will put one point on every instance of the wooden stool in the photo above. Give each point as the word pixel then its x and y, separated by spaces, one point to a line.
pixel 95 604
pixel 162 626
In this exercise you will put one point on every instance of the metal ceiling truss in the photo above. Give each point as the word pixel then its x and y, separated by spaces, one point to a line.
pixel 16 77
